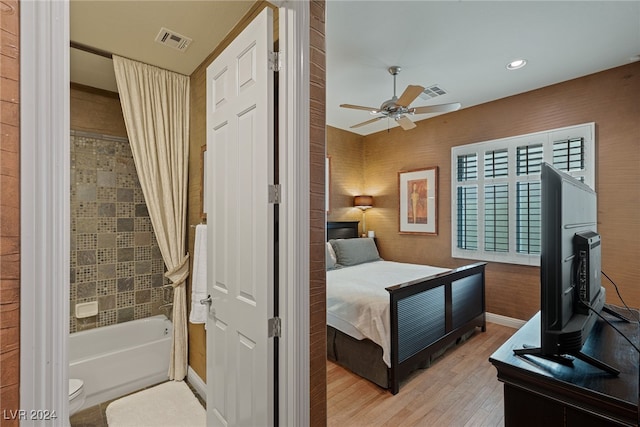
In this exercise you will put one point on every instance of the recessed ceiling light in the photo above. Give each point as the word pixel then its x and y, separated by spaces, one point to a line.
pixel 517 64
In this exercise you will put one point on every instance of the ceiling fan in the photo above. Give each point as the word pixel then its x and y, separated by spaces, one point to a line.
pixel 398 108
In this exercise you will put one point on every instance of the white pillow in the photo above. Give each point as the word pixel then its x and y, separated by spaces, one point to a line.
pixel 330 257
pixel 331 252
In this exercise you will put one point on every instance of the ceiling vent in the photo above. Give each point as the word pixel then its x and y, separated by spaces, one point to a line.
pixel 173 39
pixel 432 91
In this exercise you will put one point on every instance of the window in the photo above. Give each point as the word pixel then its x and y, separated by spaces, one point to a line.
pixel 496 192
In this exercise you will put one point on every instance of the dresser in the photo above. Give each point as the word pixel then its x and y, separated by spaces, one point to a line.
pixel 540 392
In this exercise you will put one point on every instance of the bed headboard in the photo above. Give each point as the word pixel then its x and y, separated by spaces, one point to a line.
pixel 342 229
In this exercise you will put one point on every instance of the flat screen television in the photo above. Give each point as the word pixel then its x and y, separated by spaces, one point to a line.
pixel 570 287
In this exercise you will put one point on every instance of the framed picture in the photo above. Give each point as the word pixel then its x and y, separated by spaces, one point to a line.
pixel 418 192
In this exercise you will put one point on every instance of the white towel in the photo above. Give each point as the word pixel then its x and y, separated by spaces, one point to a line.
pixel 199 277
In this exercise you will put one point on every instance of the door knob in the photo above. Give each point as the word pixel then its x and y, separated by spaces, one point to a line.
pixel 209 301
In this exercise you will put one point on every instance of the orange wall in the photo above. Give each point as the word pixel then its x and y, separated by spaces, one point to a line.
pixel 610 99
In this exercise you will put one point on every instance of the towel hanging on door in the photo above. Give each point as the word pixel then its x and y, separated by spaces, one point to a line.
pixel 199 277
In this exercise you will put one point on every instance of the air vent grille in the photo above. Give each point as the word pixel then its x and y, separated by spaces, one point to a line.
pixel 432 91
pixel 172 39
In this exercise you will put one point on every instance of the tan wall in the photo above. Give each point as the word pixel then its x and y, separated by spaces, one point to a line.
pixel 345 151
pixel 317 275
pixel 96 111
pixel 610 99
pixel 9 209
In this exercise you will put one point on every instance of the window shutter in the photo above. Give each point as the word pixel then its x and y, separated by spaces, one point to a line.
pixel 528 217
pixel 496 218
pixel 496 163
pixel 529 159
pixel 568 155
pixel 467 218
pixel 467 167
pixel 496 191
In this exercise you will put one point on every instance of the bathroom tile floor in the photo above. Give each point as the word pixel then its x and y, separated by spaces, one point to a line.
pixel 96 416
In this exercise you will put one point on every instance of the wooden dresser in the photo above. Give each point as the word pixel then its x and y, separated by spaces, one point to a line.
pixel 539 392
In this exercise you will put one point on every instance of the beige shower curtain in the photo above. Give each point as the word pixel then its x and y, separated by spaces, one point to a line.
pixel 155 103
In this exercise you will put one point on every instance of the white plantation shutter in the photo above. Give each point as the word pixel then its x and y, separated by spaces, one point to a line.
pixel 467 201
pixel 496 201
pixel 569 155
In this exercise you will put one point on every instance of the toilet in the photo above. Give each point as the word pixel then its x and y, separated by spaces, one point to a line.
pixel 76 395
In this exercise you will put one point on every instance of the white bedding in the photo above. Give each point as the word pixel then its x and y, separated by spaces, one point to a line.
pixel 358 304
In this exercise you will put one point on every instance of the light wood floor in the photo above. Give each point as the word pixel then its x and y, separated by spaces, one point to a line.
pixel 459 389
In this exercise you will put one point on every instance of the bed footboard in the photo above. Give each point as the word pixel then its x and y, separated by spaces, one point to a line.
pixel 429 315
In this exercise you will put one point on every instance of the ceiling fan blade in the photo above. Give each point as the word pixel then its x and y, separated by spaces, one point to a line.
pixel 441 108
pixel 372 110
pixel 367 122
pixel 409 94
pixel 405 122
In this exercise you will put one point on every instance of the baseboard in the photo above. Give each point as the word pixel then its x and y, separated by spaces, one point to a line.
pixel 505 321
pixel 194 379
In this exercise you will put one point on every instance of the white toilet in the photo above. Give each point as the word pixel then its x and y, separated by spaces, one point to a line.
pixel 76 395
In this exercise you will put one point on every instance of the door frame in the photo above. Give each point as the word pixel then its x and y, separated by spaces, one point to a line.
pixel 45 212
pixel 44 208
pixel 294 154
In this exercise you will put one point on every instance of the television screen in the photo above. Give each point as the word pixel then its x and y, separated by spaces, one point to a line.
pixel 571 295
pixel 569 210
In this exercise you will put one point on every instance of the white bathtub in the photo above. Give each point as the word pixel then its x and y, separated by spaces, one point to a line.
pixel 118 359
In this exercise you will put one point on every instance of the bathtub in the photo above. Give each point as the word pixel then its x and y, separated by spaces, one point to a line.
pixel 118 359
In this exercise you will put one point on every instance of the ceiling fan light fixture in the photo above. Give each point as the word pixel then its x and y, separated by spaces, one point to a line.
pixel 398 108
pixel 516 64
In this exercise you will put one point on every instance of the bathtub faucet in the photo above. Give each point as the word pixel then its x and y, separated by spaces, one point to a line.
pixel 167 294
pixel 166 307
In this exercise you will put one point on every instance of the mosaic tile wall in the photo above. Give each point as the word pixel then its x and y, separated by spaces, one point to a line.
pixel 115 259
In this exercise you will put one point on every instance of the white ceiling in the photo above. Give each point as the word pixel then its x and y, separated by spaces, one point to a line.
pixel 462 46
pixel 129 28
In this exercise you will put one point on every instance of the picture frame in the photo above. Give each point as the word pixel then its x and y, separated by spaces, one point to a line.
pixel 418 201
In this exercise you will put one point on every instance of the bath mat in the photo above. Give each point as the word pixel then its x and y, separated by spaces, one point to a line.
pixel 170 404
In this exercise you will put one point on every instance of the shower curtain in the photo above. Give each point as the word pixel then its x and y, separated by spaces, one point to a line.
pixel 155 104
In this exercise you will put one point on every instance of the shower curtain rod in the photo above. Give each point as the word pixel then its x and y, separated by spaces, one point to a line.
pixel 89 49
pixel 106 54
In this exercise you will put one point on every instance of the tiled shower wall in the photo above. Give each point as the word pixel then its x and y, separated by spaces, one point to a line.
pixel 115 258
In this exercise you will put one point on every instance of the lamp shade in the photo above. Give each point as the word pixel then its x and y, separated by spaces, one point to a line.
pixel 363 202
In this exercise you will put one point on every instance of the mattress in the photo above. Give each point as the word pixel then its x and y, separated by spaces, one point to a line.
pixel 358 303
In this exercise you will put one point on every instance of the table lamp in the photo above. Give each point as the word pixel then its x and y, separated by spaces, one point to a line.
pixel 363 203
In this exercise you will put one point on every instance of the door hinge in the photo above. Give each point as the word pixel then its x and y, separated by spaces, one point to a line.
pixel 274 327
pixel 274 194
pixel 274 61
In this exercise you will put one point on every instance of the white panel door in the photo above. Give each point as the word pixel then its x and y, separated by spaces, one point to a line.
pixel 240 258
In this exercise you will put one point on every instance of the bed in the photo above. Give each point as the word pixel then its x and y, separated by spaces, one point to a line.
pixel 411 314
